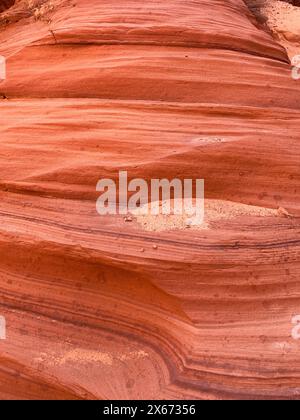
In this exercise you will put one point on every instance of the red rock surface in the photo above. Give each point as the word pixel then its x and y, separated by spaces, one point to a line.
pixel 282 17
pixel 174 88
pixel 6 4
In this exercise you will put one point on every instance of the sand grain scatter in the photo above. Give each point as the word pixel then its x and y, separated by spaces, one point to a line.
pixel 215 210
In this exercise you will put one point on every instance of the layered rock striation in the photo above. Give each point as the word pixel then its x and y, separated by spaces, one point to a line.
pixel 97 307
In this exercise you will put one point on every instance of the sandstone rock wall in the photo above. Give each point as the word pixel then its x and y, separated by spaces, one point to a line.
pixel 100 308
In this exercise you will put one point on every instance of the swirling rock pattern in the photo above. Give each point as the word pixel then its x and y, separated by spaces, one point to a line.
pixel 100 308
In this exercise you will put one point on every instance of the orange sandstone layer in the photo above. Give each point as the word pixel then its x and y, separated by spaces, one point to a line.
pixel 100 308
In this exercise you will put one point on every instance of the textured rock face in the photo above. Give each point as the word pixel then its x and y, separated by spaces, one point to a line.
pixel 99 308
pixel 282 18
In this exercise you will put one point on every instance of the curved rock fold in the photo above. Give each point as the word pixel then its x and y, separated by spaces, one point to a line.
pixel 100 308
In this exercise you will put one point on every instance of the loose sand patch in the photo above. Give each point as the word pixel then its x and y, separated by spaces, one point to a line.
pixel 215 210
